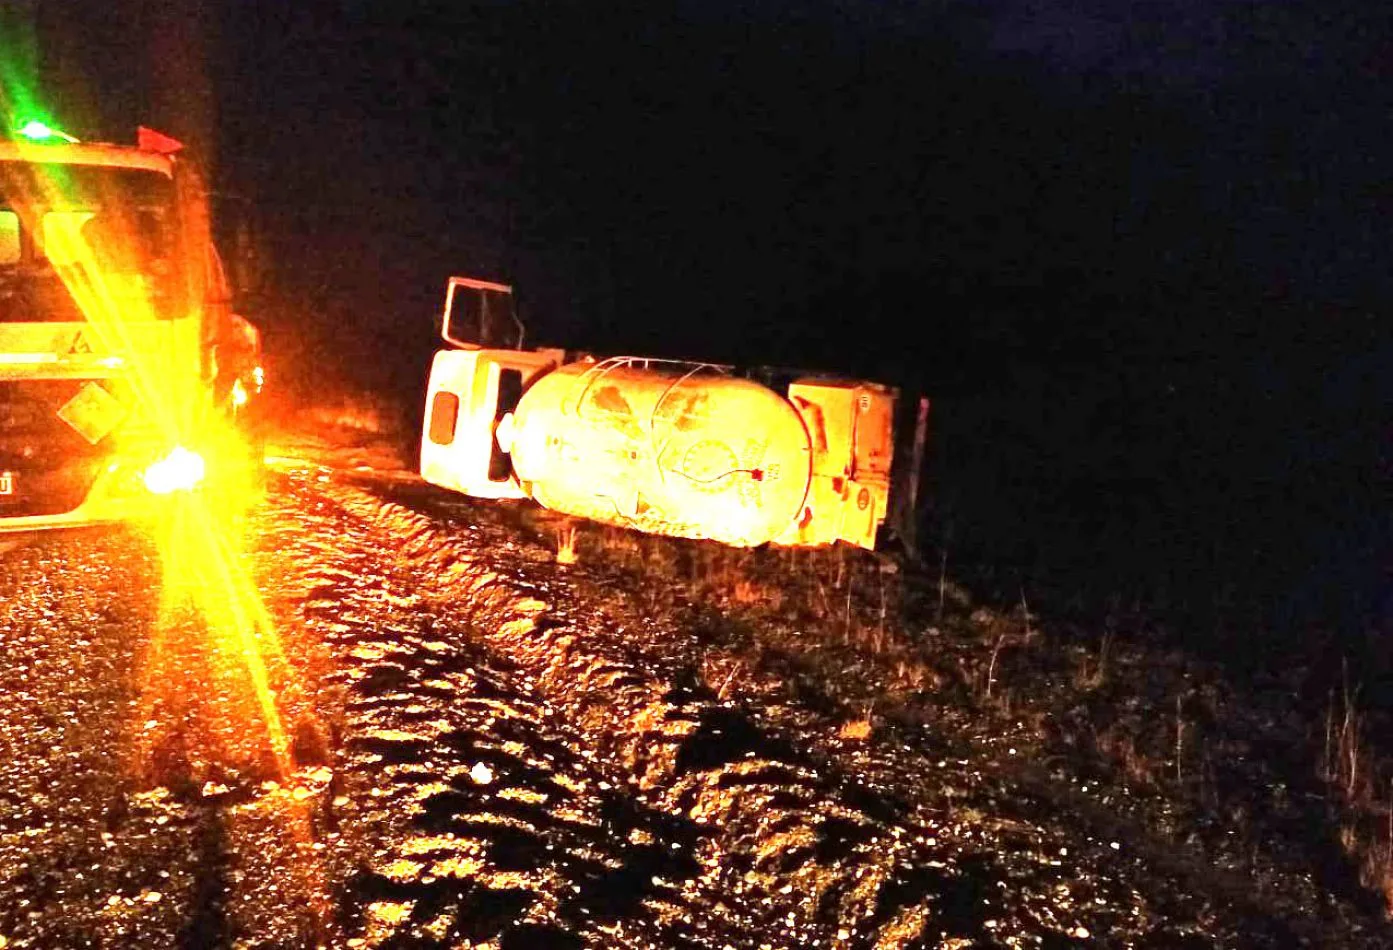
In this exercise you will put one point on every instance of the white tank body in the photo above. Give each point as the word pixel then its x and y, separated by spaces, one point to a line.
pixel 667 448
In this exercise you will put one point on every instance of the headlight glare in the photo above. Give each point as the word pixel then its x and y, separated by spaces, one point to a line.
pixel 180 470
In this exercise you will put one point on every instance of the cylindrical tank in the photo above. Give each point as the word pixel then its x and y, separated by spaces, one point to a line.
pixel 668 448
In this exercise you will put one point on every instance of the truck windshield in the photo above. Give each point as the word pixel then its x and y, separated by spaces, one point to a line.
pixel 77 225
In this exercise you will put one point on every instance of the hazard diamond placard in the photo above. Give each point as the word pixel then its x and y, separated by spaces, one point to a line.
pixel 93 412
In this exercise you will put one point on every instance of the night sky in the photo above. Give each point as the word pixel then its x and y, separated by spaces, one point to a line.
pixel 781 161
pixel 764 158
pixel 1136 251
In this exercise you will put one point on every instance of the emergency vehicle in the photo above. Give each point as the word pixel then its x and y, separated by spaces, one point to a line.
pixel 120 356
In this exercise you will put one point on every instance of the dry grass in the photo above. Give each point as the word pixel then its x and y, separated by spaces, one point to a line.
pixel 856 730
pixel 854 625
pixel 1349 768
pixel 566 544
pixel 1092 671
pixel 360 412
pixel 1138 767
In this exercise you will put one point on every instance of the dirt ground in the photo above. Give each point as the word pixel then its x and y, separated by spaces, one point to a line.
pixel 659 744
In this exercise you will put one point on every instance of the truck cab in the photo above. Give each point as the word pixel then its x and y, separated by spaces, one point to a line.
pixel 118 342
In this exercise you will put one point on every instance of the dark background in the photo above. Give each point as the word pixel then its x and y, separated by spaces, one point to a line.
pixel 1136 253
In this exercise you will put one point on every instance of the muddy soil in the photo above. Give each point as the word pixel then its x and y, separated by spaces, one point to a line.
pixel 664 744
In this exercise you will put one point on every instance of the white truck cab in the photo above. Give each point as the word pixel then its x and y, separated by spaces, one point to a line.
pixel 116 329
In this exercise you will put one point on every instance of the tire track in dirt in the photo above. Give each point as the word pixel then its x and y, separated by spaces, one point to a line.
pixel 1003 852
pixel 788 851
pixel 463 807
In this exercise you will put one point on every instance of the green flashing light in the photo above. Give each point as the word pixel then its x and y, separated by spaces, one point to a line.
pixel 37 131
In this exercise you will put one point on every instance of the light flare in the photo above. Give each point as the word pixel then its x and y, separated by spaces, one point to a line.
pixel 39 131
pixel 204 569
pixel 214 674
pixel 180 470
pixel 158 344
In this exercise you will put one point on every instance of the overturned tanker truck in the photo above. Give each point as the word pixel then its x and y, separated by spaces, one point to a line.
pixel 690 450
pixel 667 447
